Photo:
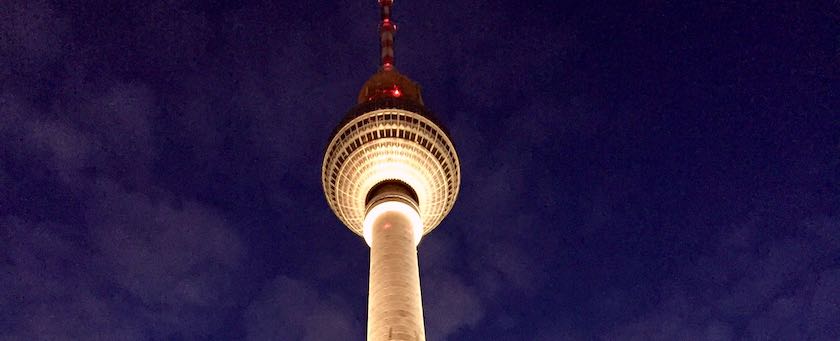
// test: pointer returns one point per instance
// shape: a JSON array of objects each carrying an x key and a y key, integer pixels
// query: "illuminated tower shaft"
[{"x": 395, "y": 310}]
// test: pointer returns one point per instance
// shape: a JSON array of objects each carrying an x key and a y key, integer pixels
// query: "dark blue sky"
[{"x": 632, "y": 170}]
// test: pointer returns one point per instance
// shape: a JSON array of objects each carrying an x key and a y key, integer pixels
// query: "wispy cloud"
[
  {"x": 144, "y": 267},
  {"x": 297, "y": 310},
  {"x": 752, "y": 287}
]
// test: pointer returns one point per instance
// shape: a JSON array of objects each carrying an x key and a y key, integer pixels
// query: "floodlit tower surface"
[{"x": 391, "y": 175}]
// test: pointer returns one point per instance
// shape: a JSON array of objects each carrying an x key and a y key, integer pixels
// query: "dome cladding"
[
  {"x": 390, "y": 139},
  {"x": 389, "y": 83}
]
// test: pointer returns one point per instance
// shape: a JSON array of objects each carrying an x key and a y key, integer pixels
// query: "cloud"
[
  {"x": 50, "y": 290},
  {"x": 290, "y": 309},
  {"x": 118, "y": 122},
  {"x": 752, "y": 287},
  {"x": 519, "y": 270},
  {"x": 12, "y": 117},
  {"x": 450, "y": 301},
  {"x": 176, "y": 257},
  {"x": 824, "y": 312},
  {"x": 449, "y": 304},
  {"x": 142, "y": 267},
  {"x": 129, "y": 259},
  {"x": 110, "y": 132},
  {"x": 140, "y": 263},
  {"x": 69, "y": 150}
]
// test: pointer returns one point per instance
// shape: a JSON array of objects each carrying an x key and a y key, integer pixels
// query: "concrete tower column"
[{"x": 395, "y": 310}]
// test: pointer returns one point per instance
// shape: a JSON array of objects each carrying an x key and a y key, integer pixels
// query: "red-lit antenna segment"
[{"x": 387, "y": 28}]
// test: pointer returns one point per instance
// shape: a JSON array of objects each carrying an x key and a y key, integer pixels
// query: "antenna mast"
[{"x": 387, "y": 28}]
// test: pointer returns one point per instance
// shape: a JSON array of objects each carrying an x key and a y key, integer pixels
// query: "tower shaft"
[{"x": 395, "y": 310}]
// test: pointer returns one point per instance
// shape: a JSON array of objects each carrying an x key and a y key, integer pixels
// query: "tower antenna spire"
[{"x": 387, "y": 28}]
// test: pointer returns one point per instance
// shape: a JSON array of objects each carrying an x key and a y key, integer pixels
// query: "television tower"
[{"x": 391, "y": 175}]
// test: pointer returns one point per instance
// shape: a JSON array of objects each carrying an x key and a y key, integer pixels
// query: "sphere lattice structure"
[{"x": 387, "y": 138}]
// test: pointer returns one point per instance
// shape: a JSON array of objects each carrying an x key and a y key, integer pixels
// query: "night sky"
[{"x": 632, "y": 170}]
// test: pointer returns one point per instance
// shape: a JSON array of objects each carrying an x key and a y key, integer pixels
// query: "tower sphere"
[{"x": 390, "y": 136}]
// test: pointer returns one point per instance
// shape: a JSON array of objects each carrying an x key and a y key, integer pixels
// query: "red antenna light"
[{"x": 386, "y": 34}]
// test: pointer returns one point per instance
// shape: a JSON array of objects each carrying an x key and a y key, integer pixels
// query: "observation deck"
[{"x": 390, "y": 136}]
